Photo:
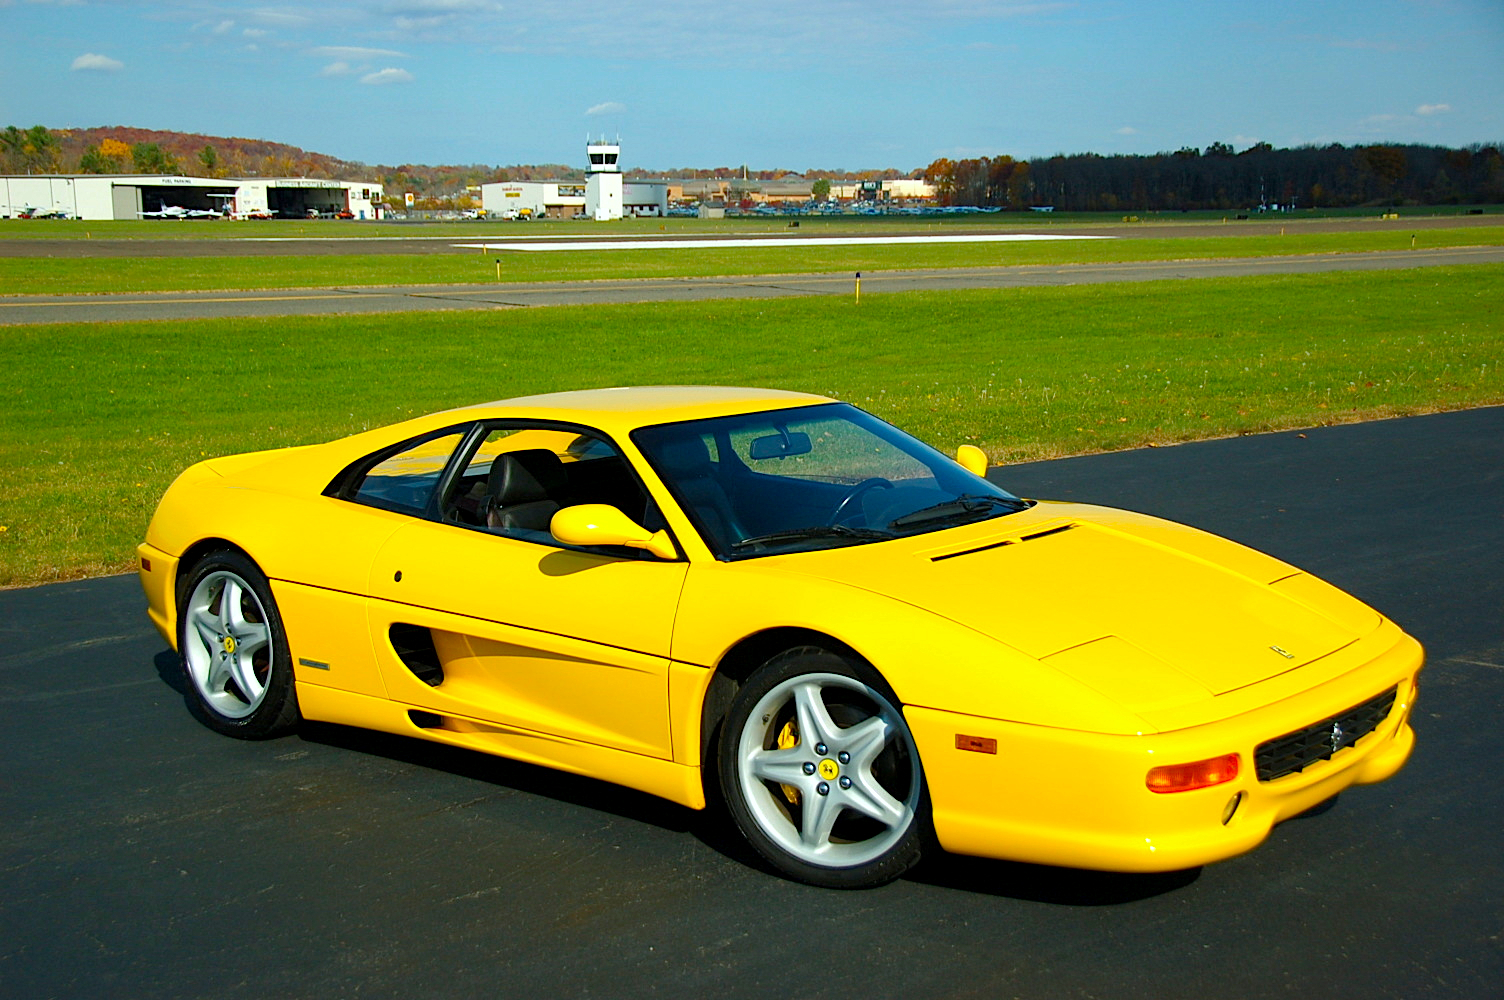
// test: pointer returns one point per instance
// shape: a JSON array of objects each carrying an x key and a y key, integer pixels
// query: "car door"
[{"x": 477, "y": 613}]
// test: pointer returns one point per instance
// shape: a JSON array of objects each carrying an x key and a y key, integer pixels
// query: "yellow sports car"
[{"x": 779, "y": 601}]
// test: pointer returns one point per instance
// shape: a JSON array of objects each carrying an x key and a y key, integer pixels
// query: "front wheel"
[
  {"x": 820, "y": 773},
  {"x": 234, "y": 649}
]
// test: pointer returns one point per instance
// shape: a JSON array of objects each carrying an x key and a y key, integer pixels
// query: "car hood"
[{"x": 1152, "y": 614}]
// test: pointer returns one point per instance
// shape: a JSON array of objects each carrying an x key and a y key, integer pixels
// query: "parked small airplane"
[
  {"x": 178, "y": 212},
  {"x": 33, "y": 212}
]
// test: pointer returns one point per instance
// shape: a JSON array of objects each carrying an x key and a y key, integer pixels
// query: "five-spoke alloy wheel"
[
  {"x": 234, "y": 649},
  {"x": 820, "y": 773}
]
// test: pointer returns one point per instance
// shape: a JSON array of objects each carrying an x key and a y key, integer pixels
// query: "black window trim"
[
  {"x": 472, "y": 434},
  {"x": 344, "y": 485}
]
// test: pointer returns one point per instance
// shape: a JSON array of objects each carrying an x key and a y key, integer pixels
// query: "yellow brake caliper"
[{"x": 788, "y": 738}]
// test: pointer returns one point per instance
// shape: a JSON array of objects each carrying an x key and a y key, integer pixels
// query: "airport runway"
[
  {"x": 202, "y": 239},
  {"x": 143, "y": 856},
  {"x": 365, "y": 300}
]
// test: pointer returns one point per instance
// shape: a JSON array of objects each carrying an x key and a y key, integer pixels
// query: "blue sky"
[{"x": 777, "y": 83}]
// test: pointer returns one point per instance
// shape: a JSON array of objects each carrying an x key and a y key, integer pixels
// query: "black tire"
[
  {"x": 233, "y": 649},
  {"x": 820, "y": 773}
]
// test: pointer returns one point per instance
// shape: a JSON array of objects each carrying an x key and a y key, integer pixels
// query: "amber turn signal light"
[{"x": 1186, "y": 777}]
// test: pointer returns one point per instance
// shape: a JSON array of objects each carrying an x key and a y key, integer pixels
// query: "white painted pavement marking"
[{"x": 771, "y": 241}]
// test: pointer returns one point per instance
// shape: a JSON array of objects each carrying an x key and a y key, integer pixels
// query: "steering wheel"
[{"x": 866, "y": 485}]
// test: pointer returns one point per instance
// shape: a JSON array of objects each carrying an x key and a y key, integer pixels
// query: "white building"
[
  {"x": 135, "y": 196},
  {"x": 891, "y": 190},
  {"x": 605, "y": 194},
  {"x": 533, "y": 199}
]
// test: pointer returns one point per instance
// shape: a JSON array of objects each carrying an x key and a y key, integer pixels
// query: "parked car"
[{"x": 864, "y": 648}]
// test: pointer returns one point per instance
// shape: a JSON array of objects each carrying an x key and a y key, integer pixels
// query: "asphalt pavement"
[
  {"x": 143, "y": 856},
  {"x": 204, "y": 238},
  {"x": 22, "y": 309}
]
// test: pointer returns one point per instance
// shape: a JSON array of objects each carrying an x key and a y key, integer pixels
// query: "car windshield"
[{"x": 812, "y": 478}]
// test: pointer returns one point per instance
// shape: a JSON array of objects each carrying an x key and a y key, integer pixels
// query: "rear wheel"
[
  {"x": 820, "y": 773},
  {"x": 234, "y": 649}
]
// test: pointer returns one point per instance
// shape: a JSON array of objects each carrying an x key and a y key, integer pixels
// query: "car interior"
[{"x": 517, "y": 492}]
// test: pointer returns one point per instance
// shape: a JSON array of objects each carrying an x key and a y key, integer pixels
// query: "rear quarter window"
[{"x": 406, "y": 480}]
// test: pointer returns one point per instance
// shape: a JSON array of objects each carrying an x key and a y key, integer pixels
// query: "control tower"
[{"x": 603, "y": 184}]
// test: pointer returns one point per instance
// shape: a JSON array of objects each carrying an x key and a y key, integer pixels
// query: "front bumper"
[
  {"x": 1060, "y": 797},
  {"x": 159, "y": 574}
]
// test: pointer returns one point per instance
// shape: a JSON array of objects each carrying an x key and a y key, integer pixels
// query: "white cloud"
[
  {"x": 418, "y": 15},
  {"x": 280, "y": 17},
  {"x": 1366, "y": 44},
  {"x": 388, "y": 75},
  {"x": 337, "y": 69},
  {"x": 1433, "y": 109},
  {"x": 91, "y": 61},
  {"x": 354, "y": 52},
  {"x": 608, "y": 108},
  {"x": 1127, "y": 130},
  {"x": 704, "y": 34}
]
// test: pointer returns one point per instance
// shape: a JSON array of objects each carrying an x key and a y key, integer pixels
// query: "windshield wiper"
[
  {"x": 818, "y": 531},
  {"x": 962, "y": 507}
]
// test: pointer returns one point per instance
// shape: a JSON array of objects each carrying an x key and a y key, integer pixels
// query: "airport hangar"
[{"x": 128, "y": 196}]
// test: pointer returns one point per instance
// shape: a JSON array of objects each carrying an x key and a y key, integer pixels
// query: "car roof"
[
  {"x": 617, "y": 412},
  {"x": 620, "y": 410}
]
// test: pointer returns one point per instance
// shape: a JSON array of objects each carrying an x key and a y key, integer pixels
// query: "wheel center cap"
[
  {"x": 229, "y": 644},
  {"x": 829, "y": 769}
]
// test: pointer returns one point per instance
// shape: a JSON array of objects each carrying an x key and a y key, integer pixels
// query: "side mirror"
[
  {"x": 972, "y": 459},
  {"x": 602, "y": 524}
]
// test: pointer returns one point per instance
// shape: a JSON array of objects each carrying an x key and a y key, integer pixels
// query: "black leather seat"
[
  {"x": 686, "y": 465},
  {"x": 524, "y": 491}
]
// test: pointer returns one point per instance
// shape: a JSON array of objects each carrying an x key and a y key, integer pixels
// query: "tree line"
[{"x": 1220, "y": 178}]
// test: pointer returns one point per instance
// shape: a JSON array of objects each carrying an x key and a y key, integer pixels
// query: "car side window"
[
  {"x": 405, "y": 480},
  {"x": 517, "y": 477}
]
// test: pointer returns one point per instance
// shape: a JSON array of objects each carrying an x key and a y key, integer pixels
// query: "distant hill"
[
  {"x": 240, "y": 157},
  {"x": 236, "y": 156}
]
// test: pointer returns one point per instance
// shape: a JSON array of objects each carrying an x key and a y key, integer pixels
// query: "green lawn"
[
  {"x": 87, "y": 275},
  {"x": 96, "y": 419}
]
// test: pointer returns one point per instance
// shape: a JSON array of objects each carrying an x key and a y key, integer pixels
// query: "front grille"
[{"x": 1297, "y": 751}]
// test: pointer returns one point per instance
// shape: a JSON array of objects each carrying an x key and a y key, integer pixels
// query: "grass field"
[
  {"x": 88, "y": 275},
  {"x": 96, "y": 419}
]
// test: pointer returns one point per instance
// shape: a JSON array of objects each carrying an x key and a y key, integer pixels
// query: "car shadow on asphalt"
[
  {"x": 1034, "y": 883},
  {"x": 711, "y": 826},
  {"x": 170, "y": 670},
  {"x": 517, "y": 776},
  {"x": 1045, "y": 883}
]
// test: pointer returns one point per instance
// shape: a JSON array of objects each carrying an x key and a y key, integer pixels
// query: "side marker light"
[
  {"x": 1188, "y": 777},
  {"x": 976, "y": 744}
]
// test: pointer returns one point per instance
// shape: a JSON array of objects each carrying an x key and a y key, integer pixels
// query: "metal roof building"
[{"x": 135, "y": 196}]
